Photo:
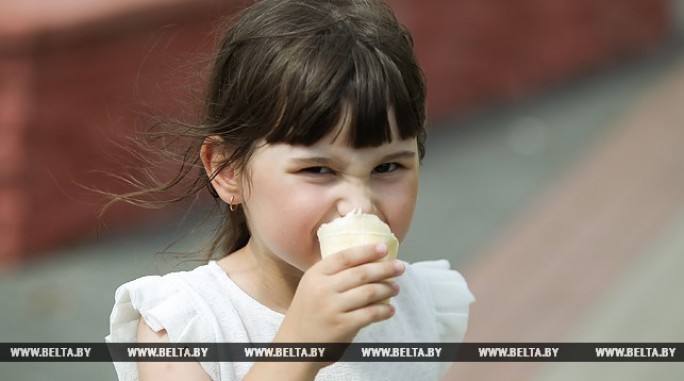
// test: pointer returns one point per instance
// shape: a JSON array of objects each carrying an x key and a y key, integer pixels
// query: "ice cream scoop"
[{"x": 356, "y": 229}]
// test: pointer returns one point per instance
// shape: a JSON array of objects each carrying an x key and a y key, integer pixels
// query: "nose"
[{"x": 356, "y": 196}]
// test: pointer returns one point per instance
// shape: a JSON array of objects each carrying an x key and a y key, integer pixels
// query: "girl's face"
[{"x": 292, "y": 190}]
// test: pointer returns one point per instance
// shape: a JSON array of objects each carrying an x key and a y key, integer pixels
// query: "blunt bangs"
[{"x": 345, "y": 79}]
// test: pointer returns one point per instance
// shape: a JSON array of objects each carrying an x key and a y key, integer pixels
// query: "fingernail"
[{"x": 399, "y": 266}]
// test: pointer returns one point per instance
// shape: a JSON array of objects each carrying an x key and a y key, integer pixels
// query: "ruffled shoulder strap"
[
  {"x": 450, "y": 296},
  {"x": 164, "y": 303}
]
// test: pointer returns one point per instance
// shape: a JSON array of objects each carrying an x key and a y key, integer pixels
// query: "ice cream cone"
[{"x": 356, "y": 229}]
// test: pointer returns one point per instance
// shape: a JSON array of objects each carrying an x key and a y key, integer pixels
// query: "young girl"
[{"x": 315, "y": 108}]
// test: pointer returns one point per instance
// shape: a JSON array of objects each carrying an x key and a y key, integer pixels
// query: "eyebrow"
[
  {"x": 399, "y": 155},
  {"x": 326, "y": 161},
  {"x": 312, "y": 161}
]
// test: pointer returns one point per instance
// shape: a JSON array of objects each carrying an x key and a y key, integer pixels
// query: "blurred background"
[{"x": 554, "y": 175}]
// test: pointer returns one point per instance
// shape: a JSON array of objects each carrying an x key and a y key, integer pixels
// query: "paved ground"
[
  {"x": 565, "y": 212},
  {"x": 597, "y": 255}
]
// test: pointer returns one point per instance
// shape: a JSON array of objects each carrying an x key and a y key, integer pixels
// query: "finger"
[
  {"x": 366, "y": 273},
  {"x": 352, "y": 257},
  {"x": 368, "y": 294},
  {"x": 370, "y": 314}
]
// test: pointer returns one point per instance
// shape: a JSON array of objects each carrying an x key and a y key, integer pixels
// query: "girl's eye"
[
  {"x": 386, "y": 168},
  {"x": 318, "y": 170}
]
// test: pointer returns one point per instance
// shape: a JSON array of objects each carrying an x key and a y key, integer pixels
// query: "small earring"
[{"x": 231, "y": 206}]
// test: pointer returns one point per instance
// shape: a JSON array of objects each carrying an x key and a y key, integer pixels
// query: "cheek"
[
  {"x": 284, "y": 217},
  {"x": 399, "y": 206}
]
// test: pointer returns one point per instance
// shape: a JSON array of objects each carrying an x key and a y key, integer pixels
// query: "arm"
[
  {"x": 166, "y": 371},
  {"x": 192, "y": 371},
  {"x": 335, "y": 298}
]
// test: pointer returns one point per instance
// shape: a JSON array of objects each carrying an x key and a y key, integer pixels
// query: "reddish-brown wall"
[
  {"x": 65, "y": 92},
  {"x": 70, "y": 96},
  {"x": 474, "y": 51}
]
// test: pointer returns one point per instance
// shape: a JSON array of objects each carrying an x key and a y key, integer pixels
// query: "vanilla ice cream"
[{"x": 356, "y": 229}]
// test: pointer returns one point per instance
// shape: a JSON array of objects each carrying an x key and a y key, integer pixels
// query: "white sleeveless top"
[{"x": 205, "y": 305}]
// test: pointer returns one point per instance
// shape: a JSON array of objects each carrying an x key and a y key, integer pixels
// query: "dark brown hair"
[{"x": 286, "y": 72}]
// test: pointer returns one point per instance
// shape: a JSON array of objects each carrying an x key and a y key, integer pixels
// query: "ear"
[{"x": 226, "y": 180}]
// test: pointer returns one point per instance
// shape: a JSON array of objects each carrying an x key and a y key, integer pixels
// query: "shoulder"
[
  {"x": 444, "y": 292},
  {"x": 167, "y": 371}
]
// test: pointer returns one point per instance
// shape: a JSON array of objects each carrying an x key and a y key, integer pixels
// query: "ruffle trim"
[
  {"x": 451, "y": 298},
  {"x": 163, "y": 306}
]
